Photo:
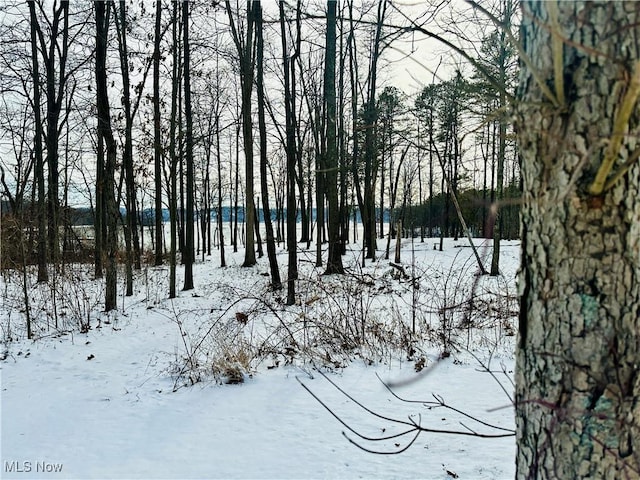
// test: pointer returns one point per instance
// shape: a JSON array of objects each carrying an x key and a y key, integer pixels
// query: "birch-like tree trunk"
[{"x": 578, "y": 377}]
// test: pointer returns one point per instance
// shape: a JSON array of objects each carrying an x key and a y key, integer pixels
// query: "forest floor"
[{"x": 144, "y": 393}]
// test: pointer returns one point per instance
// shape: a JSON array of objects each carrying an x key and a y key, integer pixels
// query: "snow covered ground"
[{"x": 107, "y": 403}]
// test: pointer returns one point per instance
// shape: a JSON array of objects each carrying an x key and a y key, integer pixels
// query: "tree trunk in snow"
[
  {"x": 276, "y": 282},
  {"x": 245, "y": 48},
  {"x": 334, "y": 259},
  {"x": 102, "y": 13},
  {"x": 578, "y": 381},
  {"x": 173, "y": 154},
  {"x": 188, "y": 256},
  {"x": 43, "y": 275},
  {"x": 507, "y": 12},
  {"x": 157, "y": 137},
  {"x": 290, "y": 148}
]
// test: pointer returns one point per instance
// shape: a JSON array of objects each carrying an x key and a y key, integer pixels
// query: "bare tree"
[
  {"x": 173, "y": 154},
  {"x": 502, "y": 134},
  {"x": 55, "y": 56},
  {"x": 245, "y": 50},
  {"x": 334, "y": 260},
  {"x": 102, "y": 12},
  {"x": 132, "y": 240},
  {"x": 292, "y": 272},
  {"x": 38, "y": 172},
  {"x": 157, "y": 141},
  {"x": 367, "y": 206},
  {"x": 276, "y": 283},
  {"x": 189, "y": 251}
]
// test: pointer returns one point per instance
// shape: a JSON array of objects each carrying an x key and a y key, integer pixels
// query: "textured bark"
[{"x": 578, "y": 388}]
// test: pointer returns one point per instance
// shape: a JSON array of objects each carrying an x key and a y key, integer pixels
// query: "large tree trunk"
[{"x": 577, "y": 381}]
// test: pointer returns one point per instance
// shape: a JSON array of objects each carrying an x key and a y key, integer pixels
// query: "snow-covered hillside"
[{"x": 117, "y": 401}]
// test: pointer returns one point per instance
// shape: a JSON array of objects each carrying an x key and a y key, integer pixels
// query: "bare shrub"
[
  {"x": 214, "y": 347},
  {"x": 67, "y": 303},
  {"x": 375, "y": 314},
  {"x": 78, "y": 297}
]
